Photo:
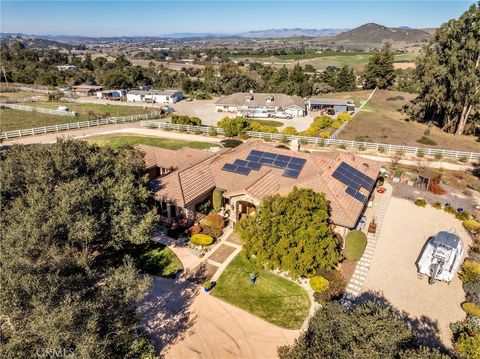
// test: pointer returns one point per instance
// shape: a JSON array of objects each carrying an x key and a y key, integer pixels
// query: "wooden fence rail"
[{"x": 379, "y": 147}]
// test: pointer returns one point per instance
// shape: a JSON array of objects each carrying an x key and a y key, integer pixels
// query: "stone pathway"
[{"x": 355, "y": 285}]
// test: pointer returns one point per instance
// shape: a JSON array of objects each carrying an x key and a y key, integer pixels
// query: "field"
[
  {"x": 20, "y": 94},
  {"x": 121, "y": 141},
  {"x": 321, "y": 61},
  {"x": 15, "y": 119},
  {"x": 155, "y": 259},
  {"x": 272, "y": 298},
  {"x": 382, "y": 121},
  {"x": 356, "y": 96}
]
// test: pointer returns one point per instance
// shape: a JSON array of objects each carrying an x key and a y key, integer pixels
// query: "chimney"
[{"x": 295, "y": 145}]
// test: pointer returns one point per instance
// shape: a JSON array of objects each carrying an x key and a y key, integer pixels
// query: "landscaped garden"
[
  {"x": 132, "y": 140},
  {"x": 272, "y": 298},
  {"x": 155, "y": 259}
]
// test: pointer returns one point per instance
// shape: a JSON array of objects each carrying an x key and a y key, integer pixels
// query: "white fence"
[
  {"x": 8, "y": 87},
  {"x": 76, "y": 125},
  {"x": 22, "y": 99},
  {"x": 38, "y": 109},
  {"x": 379, "y": 147}
]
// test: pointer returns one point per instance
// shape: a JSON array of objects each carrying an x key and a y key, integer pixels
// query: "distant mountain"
[
  {"x": 374, "y": 33},
  {"x": 32, "y": 41},
  {"x": 281, "y": 33}
]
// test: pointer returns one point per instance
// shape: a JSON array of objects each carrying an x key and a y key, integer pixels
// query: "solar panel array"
[
  {"x": 256, "y": 159},
  {"x": 354, "y": 179}
]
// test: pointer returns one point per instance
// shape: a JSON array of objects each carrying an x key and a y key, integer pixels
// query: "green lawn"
[
  {"x": 121, "y": 141},
  {"x": 268, "y": 123},
  {"x": 16, "y": 119},
  {"x": 156, "y": 259},
  {"x": 272, "y": 298}
]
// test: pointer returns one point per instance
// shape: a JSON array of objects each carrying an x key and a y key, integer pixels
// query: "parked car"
[{"x": 282, "y": 115}]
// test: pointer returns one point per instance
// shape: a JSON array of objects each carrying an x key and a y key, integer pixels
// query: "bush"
[
  {"x": 466, "y": 338},
  {"x": 318, "y": 283},
  {"x": 421, "y": 153},
  {"x": 319, "y": 123},
  {"x": 450, "y": 209},
  {"x": 463, "y": 159},
  {"x": 231, "y": 143},
  {"x": 395, "y": 98},
  {"x": 471, "y": 308},
  {"x": 470, "y": 271},
  {"x": 213, "y": 225},
  {"x": 472, "y": 291},
  {"x": 289, "y": 130},
  {"x": 463, "y": 215},
  {"x": 203, "y": 96},
  {"x": 283, "y": 147},
  {"x": 420, "y": 202},
  {"x": 437, "y": 205},
  {"x": 234, "y": 126},
  {"x": 438, "y": 156},
  {"x": 335, "y": 289},
  {"x": 196, "y": 229},
  {"x": 426, "y": 141},
  {"x": 471, "y": 225},
  {"x": 186, "y": 120},
  {"x": 344, "y": 116},
  {"x": 337, "y": 124},
  {"x": 201, "y": 239},
  {"x": 212, "y": 132},
  {"x": 355, "y": 244}
]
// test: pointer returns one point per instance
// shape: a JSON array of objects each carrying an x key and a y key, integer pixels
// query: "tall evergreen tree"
[
  {"x": 380, "y": 71},
  {"x": 449, "y": 75},
  {"x": 346, "y": 80},
  {"x": 67, "y": 211}
]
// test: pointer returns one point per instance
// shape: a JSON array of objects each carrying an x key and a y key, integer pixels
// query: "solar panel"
[
  {"x": 242, "y": 170},
  {"x": 266, "y": 161},
  {"x": 291, "y": 173},
  {"x": 256, "y": 153},
  {"x": 294, "y": 166},
  {"x": 229, "y": 167},
  {"x": 298, "y": 161},
  {"x": 351, "y": 191},
  {"x": 284, "y": 158},
  {"x": 240, "y": 163},
  {"x": 269, "y": 155},
  {"x": 253, "y": 158},
  {"x": 254, "y": 166},
  {"x": 360, "y": 197},
  {"x": 280, "y": 164}
]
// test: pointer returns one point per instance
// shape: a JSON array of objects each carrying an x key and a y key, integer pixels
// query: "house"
[
  {"x": 185, "y": 179},
  {"x": 87, "y": 90},
  {"x": 67, "y": 68},
  {"x": 330, "y": 105},
  {"x": 111, "y": 94},
  {"x": 248, "y": 102},
  {"x": 155, "y": 96}
]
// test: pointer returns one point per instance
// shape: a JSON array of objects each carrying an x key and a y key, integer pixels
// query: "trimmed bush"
[
  {"x": 344, "y": 116},
  {"x": 426, "y": 141},
  {"x": 463, "y": 215},
  {"x": 355, "y": 244},
  {"x": 213, "y": 225},
  {"x": 335, "y": 289},
  {"x": 186, "y": 120},
  {"x": 450, "y": 209},
  {"x": 290, "y": 130},
  {"x": 217, "y": 199},
  {"x": 318, "y": 283},
  {"x": 200, "y": 239},
  {"x": 471, "y": 308},
  {"x": 324, "y": 134},
  {"x": 420, "y": 202},
  {"x": 472, "y": 291},
  {"x": 471, "y": 225},
  {"x": 195, "y": 229},
  {"x": 230, "y": 143},
  {"x": 437, "y": 205},
  {"x": 470, "y": 271}
]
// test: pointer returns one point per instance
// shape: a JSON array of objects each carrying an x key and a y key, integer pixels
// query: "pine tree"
[{"x": 380, "y": 71}]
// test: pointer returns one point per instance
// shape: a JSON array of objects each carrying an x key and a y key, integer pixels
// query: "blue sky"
[{"x": 114, "y": 18}]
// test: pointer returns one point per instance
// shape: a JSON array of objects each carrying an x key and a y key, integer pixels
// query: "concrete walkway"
[{"x": 354, "y": 287}]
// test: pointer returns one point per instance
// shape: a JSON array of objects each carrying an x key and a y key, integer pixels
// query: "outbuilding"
[
  {"x": 155, "y": 96},
  {"x": 330, "y": 105}
]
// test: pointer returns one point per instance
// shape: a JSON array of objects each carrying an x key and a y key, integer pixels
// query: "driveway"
[
  {"x": 185, "y": 322},
  {"x": 430, "y": 308}
]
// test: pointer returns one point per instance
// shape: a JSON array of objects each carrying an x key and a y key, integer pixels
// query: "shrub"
[
  {"x": 318, "y": 283},
  {"x": 319, "y": 123},
  {"x": 466, "y": 338},
  {"x": 472, "y": 291},
  {"x": 217, "y": 199},
  {"x": 257, "y": 127},
  {"x": 337, "y": 124},
  {"x": 290, "y": 130},
  {"x": 395, "y": 98},
  {"x": 230, "y": 143},
  {"x": 186, "y": 120},
  {"x": 420, "y": 202},
  {"x": 450, "y": 209},
  {"x": 463, "y": 159},
  {"x": 355, "y": 244},
  {"x": 421, "y": 153},
  {"x": 203, "y": 96},
  {"x": 201, "y": 239},
  {"x": 426, "y": 141},
  {"x": 335, "y": 289},
  {"x": 463, "y": 215},
  {"x": 470, "y": 271},
  {"x": 438, "y": 156},
  {"x": 207, "y": 284},
  {"x": 362, "y": 147},
  {"x": 194, "y": 229},
  {"x": 437, "y": 205},
  {"x": 342, "y": 146},
  {"x": 471, "y": 225},
  {"x": 234, "y": 126},
  {"x": 363, "y": 139},
  {"x": 381, "y": 149},
  {"x": 213, "y": 225},
  {"x": 212, "y": 132},
  {"x": 324, "y": 134},
  {"x": 344, "y": 116},
  {"x": 283, "y": 147},
  {"x": 471, "y": 308}
]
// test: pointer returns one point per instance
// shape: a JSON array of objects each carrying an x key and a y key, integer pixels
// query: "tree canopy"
[
  {"x": 380, "y": 71},
  {"x": 291, "y": 233},
  {"x": 369, "y": 330},
  {"x": 68, "y": 209},
  {"x": 448, "y": 72}
]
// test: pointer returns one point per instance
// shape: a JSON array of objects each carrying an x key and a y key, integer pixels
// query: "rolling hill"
[{"x": 374, "y": 33}]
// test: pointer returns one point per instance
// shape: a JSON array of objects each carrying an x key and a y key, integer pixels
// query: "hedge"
[
  {"x": 318, "y": 283},
  {"x": 471, "y": 308},
  {"x": 355, "y": 244},
  {"x": 201, "y": 239},
  {"x": 470, "y": 271}
]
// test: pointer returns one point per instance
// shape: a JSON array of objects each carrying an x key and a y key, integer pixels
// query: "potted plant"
[{"x": 207, "y": 286}]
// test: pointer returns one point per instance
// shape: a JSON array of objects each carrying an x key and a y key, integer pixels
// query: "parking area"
[{"x": 430, "y": 308}]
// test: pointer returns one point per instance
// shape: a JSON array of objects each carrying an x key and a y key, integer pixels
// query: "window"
[
  {"x": 162, "y": 209},
  {"x": 173, "y": 211}
]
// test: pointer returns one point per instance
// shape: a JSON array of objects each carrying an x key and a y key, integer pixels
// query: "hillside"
[
  {"x": 285, "y": 33},
  {"x": 374, "y": 33}
]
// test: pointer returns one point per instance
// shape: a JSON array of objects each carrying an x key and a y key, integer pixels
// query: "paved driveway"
[
  {"x": 187, "y": 323},
  {"x": 431, "y": 308}
]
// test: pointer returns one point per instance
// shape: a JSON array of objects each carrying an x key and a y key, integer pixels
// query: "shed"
[{"x": 429, "y": 180}]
